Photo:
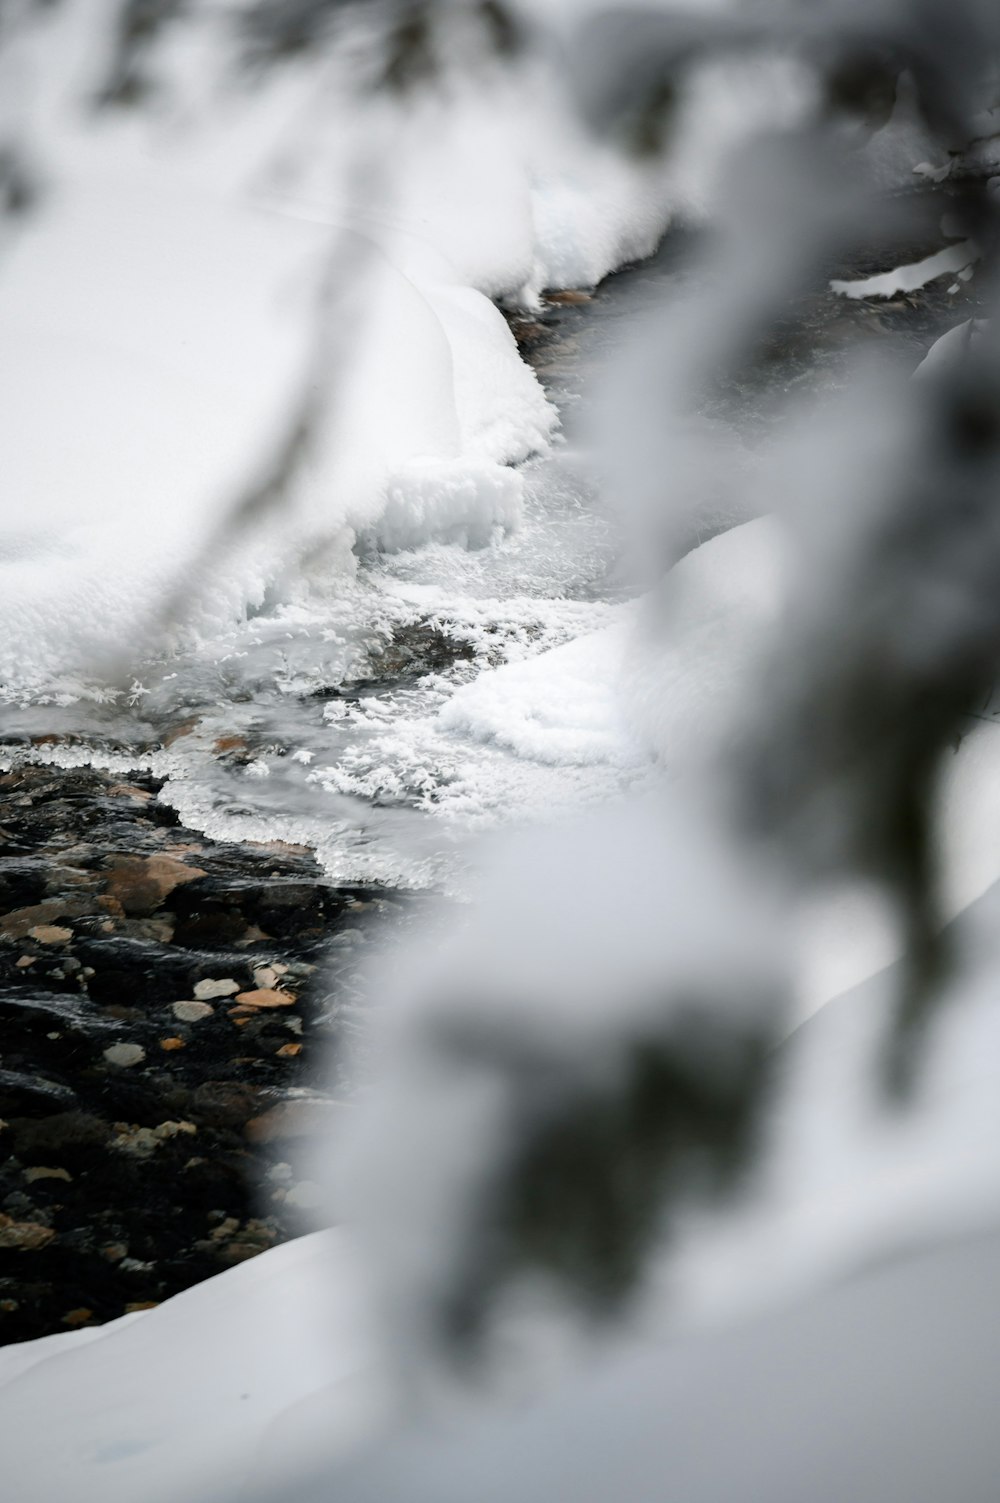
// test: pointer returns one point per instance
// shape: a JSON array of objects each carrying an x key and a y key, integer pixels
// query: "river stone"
[
  {"x": 226, "y": 987},
  {"x": 192, "y": 1012},
  {"x": 265, "y": 997},
  {"x": 140, "y": 883},
  {"x": 24, "y": 1236},
  {"x": 125, "y": 1055},
  {"x": 42, "y": 1171},
  {"x": 22, "y": 921},
  {"x": 50, "y": 934}
]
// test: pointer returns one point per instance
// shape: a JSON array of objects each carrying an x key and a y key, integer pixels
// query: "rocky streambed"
[{"x": 166, "y": 1027}]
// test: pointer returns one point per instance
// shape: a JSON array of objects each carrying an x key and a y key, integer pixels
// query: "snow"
[
  {"x": 949, "y": 347},
  {"x": 214, "y": 1390},
  {"x": 558, "y": 708},
  {"x": 873, "y": 1389},
  {"x": 165, "y": 308},
  {"x": 910, "y": 278}
]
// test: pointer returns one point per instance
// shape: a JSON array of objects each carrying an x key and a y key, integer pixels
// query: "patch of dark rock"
[
  {"x": 34, "y": 1093},
  {"x": 413, "y": 651}
]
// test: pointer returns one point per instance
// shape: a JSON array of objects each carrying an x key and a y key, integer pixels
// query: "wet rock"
[
  {"x": 140, "y": 884},
  {"x": 123, "y": 1221},
  {"x": 43, "y": 1171},
  {"x": 73, "y": 1137},
  {"x": 125, "y": 1055},
  {"x": 20, "y": 923},
  {"x": 215, "y": 987},
  {"x": 82, "y": 1316},
  {"x": 143, "y": 1141},
  {"x": 225, "y": 1103},
  {"x": 236, "y": 1242},
  {"x": 24, "y": 1236},
  {"x": 129, "y": 790},
  {"x": 27, "y": 1094},
  {"x": 192, "y": 1012},
  {"x": 265, "y": 998},
  {"x": 23, "y": 884},
  {"x": 50, "y": 934}
]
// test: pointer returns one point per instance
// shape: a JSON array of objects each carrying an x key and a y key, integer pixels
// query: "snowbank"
[
  {"x": 191, "y": 276},
  {"x": 669, "y": 683},
  {"x": 237, "y": 1381}
]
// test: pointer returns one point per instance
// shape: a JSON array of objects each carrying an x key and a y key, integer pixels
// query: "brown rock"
[
  {"x": 78, "y": 1317},
  {"x": 50, "y": 934},
  {"x": 24, "y": 1236},
  {"x": 288, "y": 1051},
  {"x": 176, "y": 732},
  {"x": 20, "y": 923},
  {"x": 140, "y": 1304},
  {"x": 282, "y": 847},
  {"x": 171, "y": 1044},
  {"x": 128, "y": 790},
  {"x": 265, "y": 997},
  {"x": 140, "y": 883}
]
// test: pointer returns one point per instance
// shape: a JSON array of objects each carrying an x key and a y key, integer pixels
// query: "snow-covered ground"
[{"x": 235, "y": 1383}]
